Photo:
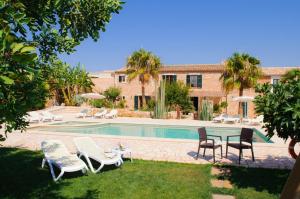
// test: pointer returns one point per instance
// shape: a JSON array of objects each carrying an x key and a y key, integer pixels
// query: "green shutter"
[
  {"x": 199, "y": 81},
  {"x": 188, "y": 80},
  {"x": 175, "y": 78}
]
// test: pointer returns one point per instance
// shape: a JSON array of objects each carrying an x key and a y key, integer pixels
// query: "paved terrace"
[{"x": 268, "y": 155}]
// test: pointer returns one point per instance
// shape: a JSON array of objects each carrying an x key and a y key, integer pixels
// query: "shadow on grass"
[
  {"x": 260, "y": 179},
  {"x": 21, "y": 176}
]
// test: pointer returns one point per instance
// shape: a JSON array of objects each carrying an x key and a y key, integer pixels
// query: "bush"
[
  {"x": 99, "y": 103},
  {"x": 206, "y": 112},
  {"x": 121, "y": 104}
]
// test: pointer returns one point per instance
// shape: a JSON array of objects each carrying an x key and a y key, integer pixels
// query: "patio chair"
[
  {"x": 112, "y": 114},
  {"x": 56, "y": 154},
  {"x": 33, "y": 117},
  {"x": 204, "y": 144},
  {"x": 220, "y": 118},
  {"x": 232, "y": 119},
  {"x": 101, "y": 113},
  {"x": 83, "y": 113},
  {"x": 245, "y": 142},
  {"x": 52, "y": 116},
  {"x": 87, "y": 148}
]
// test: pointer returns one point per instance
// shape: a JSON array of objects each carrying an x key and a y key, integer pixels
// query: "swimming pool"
[{"x": 145, "y": 130}]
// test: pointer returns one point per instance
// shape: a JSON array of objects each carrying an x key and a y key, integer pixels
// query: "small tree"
[
  {"x": 112, "y": 94},
  {"x": 280, "y": 105},
  {"x": 177, "y": 97}
]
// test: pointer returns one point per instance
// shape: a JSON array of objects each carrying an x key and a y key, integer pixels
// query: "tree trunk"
[
  {"x": 241, "y": 90},
  {"x": 226, "y": 102},
  {"x": 178, "y": 112},
  {"x": 143, "y": 102},
  {"x": 291, "y": 188}
]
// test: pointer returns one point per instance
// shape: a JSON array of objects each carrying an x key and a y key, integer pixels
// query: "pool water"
[{"x": 147, "y": 130}]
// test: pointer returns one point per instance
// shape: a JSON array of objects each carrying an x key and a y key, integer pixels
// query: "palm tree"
[
  {"x": 144, "y": 65},
  {"x": 241, "y": 72}
]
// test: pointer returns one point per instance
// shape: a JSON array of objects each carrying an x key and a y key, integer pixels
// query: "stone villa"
[{"x": 203, "y": 79}]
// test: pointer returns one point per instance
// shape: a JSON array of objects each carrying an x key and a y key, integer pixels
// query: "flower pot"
[{"x": 292, "y": 144}]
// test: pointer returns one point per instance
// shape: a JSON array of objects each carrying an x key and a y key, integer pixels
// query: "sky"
[{"x": 196, "y": 32}]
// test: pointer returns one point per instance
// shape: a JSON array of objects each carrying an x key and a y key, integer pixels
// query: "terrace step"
[{"x": 221, "y": 184}]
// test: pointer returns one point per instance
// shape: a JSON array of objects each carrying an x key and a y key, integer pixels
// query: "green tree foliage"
[
  {"x": 280, "y": 105},
  {"x": 241, "y": 72},
  {"x": 177, "y": 97},
  {"x": 291, "y": 75},
  {"x": 47, "y": 27},
  {"x": 144, "y": 65},
  {"x": 112, "y": 94},
  {"x": 66, "y": 82}
]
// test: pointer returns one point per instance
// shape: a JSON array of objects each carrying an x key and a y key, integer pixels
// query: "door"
[
  {"x": 136, "y": 103},
  {"x": 195, "y": 101},
  {"x": 245, "y": 109}
]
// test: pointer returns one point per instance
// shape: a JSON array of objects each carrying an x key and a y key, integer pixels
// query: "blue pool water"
[{"x": 142, "y": 130}]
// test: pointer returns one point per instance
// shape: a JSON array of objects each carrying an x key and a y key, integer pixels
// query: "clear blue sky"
[{"x": 197, "y": 31}]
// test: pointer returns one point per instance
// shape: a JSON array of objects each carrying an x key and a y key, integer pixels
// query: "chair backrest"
[
  {"x": 246, "y": 135},
  {"x": 202, "y": 134},
  {"x": 86, "y": 145},
  {"x": 54, "y": 148}
]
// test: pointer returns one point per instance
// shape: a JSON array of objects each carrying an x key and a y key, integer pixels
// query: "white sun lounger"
[
  {"x": 220, "y": 118},
  {"x": 232, "y": 119},
  {"x": 101, "y": 114},
  {"x": 256, "y": 121},
  {"x": 112, "y": 114},
  {"x": 57, "y": 154},
  {"x": 32, "y": 117},
  {"x": 90, "y": 150},
  {"x": 83, "y": 113},
  {"x": 52, "y": 116}
]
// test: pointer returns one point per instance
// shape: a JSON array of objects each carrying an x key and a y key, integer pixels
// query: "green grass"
[{"x": 22, "y": 177}]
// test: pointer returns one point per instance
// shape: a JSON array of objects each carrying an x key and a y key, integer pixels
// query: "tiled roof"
[{"x": 267, "y": 71}]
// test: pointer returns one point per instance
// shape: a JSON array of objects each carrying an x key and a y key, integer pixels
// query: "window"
[
  {"x": 275, "y": 81},
  {"x": 121, "y": 78},
  {"x": 169, "y": 78},
  {"x": 195, "y": 81}
]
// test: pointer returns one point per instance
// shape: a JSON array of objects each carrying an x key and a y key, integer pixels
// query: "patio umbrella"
[
  {"x": 243, "y": 99},
  {"x": 92, "y": 96}
]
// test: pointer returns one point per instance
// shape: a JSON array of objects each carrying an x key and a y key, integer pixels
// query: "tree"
[
  {"x": 241, "y": 72},
  {"x": 177, "y": 97},
  {"x": 144, "y": 65},
  {"x": 66, "y": 82},
  {"x": 112, "y": 94},
  {"x": 31, "y": 33},
  {"x": 280, "y": 105},
  {"x": 291, "y": 75}
]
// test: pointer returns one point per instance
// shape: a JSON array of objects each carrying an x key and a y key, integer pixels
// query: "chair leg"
[
  {"x": 221, "y": 152},
  {"x": 198, "y": 151},
  {"x": 100, "y": 167},
  {"x": 214, "y": 154},
  {"x": 226, "y": 150},
  {"x": 204, "y": 152},
  {"x": 240, "y": 156},
  {"x": 43, "y": 162},
  {"x": 252, "y": 154}
]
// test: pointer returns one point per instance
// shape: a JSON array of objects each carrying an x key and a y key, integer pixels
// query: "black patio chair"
[
  {"x": 204, "y": 144},
  {"x": 245, "y": 142}
]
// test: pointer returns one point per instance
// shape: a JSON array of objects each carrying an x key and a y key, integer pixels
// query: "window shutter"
[
  {"x": 199, "y": 81},
  {"x": 175, "y": 78},
  {"x": 188, "y": 80},
  {"x": 120, "y": 78},
  {"x": 164, "y": 77}
]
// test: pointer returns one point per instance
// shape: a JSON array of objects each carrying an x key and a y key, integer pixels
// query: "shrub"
[{"x": 206, "y": 111}]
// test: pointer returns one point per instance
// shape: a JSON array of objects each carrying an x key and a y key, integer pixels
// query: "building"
[{"x": 203, "y": 79}]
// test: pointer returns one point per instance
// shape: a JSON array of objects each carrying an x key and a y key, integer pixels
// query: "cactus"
[
  {"x": 160, "y": 108},
  {"x": 206, "y": 111}
]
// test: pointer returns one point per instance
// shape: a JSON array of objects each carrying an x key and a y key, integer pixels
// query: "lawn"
[{"x": 22, "y": 177}]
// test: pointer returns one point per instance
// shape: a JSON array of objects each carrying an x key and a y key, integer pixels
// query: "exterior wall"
[{"x": 211, "y": 86}]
